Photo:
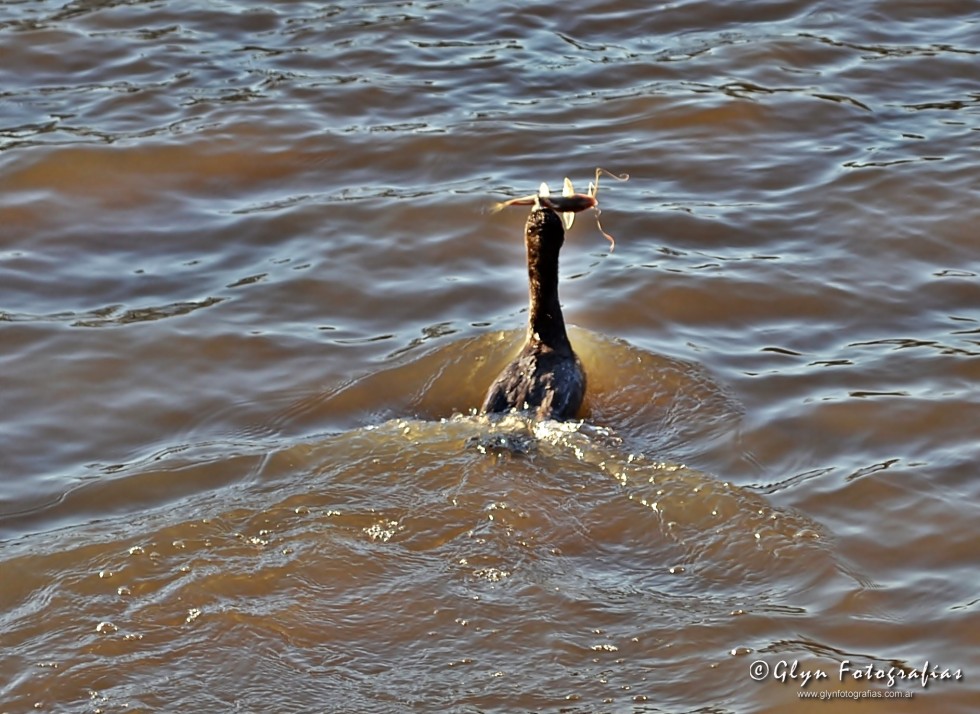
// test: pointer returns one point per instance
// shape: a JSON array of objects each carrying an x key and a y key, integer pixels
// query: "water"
[{"x": 250, "y": 293}]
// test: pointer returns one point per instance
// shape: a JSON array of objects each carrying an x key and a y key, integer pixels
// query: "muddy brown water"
[{"x": 250, "y": 293}]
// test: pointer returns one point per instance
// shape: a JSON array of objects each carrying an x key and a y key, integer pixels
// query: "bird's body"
[{"x": 546, "y": 379}]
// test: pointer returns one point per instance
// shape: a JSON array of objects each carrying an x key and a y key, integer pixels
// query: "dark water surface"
[{"x": 250, "y": 292}]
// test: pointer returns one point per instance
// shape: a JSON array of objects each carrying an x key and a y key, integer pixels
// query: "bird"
[{"x": 546, "y": 379}]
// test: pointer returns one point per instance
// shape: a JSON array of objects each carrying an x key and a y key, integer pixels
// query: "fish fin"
[
  {"x": 568, "y": 217},
  {"x": 543, "y": 190}
]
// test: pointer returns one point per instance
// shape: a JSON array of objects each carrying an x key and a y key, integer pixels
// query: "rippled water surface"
[{"x": 251, "y": 293}]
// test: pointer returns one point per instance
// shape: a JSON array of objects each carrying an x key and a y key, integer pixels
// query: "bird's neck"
[{"x": 545, "y": 321}]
